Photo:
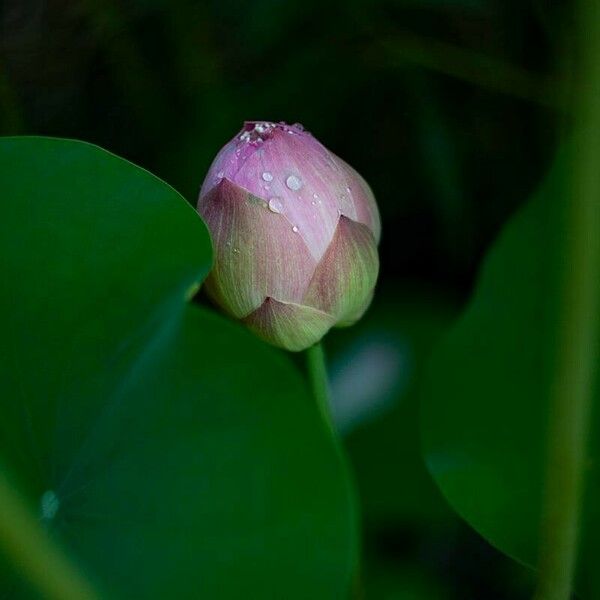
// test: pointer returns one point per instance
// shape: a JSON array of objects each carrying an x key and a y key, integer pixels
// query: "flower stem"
[
  {"x": 573, "y": 389},
  {"x": 317, "y": 373}
]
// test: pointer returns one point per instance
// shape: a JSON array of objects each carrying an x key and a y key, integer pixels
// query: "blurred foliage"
[
  {"x": 415, "y": 545},
  {"x": 505, "y": 338},
  {"x": 488, "y": 401},
  {"x": 449, "y": 108},
  {"x": 378, "y": 413}
]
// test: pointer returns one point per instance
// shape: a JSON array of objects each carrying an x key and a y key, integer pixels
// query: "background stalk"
[{"x": 577, "y": 337}]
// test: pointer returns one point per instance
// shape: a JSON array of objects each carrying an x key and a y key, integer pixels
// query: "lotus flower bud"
[{"x": 295, "y": 232}]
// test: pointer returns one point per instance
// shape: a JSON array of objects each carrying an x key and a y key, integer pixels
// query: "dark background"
[{"x": 449, "y": 108}]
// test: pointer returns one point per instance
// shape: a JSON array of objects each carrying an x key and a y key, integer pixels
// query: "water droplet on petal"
[
  {"x": 315, "y": 196},
  {"x": 275, "y": 205},
  {"x": 348, "y": 189},
  {"x": 295, "y": 229},
  {"x": 267, "y": 176},
  {"x": 293, "y": 182},
  {"x": 255, "y": 133}
]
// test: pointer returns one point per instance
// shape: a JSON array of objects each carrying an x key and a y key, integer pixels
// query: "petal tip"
[{"x": 289, "y": 326}]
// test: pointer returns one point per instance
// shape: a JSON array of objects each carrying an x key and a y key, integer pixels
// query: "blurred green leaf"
[
  {"x": 376, "y": 372},
  {"x": 486, "y": 404},
  {"x": 172, "y": 453},
  {"x": 472, "y": 66}
]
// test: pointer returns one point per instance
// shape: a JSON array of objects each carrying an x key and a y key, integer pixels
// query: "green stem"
[
  {"x": 34, "y": 553},
  {"x": 573, "y": 388},
  {"x": 319, "y": 382},
  {"x": 317, "y": 373}
]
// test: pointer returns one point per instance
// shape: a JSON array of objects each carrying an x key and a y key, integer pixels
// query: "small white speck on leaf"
[{"x": 49, "y": 505}]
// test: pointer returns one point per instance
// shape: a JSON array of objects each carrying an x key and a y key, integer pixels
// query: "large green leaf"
[
  {"x": 486, "y": 403},
  {"x": 171, "y": 453}
]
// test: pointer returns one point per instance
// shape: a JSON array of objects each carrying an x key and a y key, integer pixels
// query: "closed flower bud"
[{"x": 295, "y": 231}]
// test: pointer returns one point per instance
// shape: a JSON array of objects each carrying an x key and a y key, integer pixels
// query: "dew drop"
[
  {"x": 267, "y": 176},
  {"x": 275, "y": 205},
  {"x": 49, "y": 505},
  {"x": 293, "y": 182},
  {"x": 255, "y": 133},
  {"x": 295, "y": 229},
  {"x": 315, "y": 196}
]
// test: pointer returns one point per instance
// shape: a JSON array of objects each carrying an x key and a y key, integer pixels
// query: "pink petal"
[
  {"x": 365, "y": 207},
  {"x": 290, "y": 326},
  {"x": 257, "y": 252},
  {"x": 311, "y": 184},
  {"x": 299, "y": 167},
  {"x": 345, "y": 277}
]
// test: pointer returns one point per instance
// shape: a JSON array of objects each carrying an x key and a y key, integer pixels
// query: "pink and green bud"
[{"x": 295, "y": 231}]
